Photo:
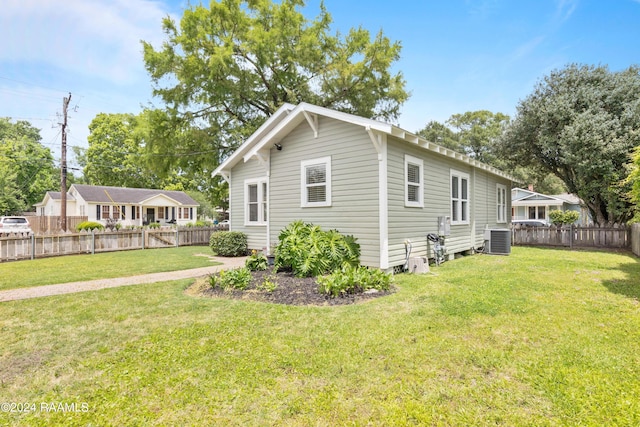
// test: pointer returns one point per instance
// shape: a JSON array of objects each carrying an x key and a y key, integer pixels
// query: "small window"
[
  {"x": 256, "y": 201},
  {"x": 413, "y": 176},
  {"x": 160, "y": 213},
  {"x": 316, "y": 182},
  {"x": 105, "y": 212},
  {"x": 459, "y": 198},
  {"x": 501, "y": 203}
]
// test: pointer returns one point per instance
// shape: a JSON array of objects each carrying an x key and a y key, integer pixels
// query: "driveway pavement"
[{"x": 92, "y": 285}]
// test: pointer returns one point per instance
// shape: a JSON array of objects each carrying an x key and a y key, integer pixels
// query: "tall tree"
[
  {"x": 633, "y": 180},
  {"x": 116, "y": 154},
  {"x": 478, "y": 132},
  {"x": 26, "y": 167},
  {"x": 226, "y": 68},
  {"x": 440, "y": 134},
  {"x": 581, "y": 123}
]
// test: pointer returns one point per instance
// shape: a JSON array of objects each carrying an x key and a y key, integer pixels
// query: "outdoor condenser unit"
[{"x": 497, "y": 241}]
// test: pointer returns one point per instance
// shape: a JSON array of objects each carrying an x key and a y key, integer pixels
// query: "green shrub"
[
  {"x": 237, "y": 278},
  {"x": 89, "y": 225},
  {"x": 154, "y": 225},
  {"x": 309, "y": 251},
  {"x": 199, "y": 223},
  {"x": 558, "y": 217},
  {"x": 228, "y": 243},
  {"x": 351, "y": 279},
  {"x": 256, "y": 262},
  {"x": 269, "y": 284}
]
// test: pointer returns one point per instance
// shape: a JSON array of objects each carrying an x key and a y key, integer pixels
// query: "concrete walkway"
[{"x": 92, "y": 285}]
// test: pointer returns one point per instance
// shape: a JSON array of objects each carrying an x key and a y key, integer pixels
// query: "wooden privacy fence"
[
  {"x": 40, "y": 246},
  {"x": 635, "y": 239},
  {"x": 51, "y": 224},
  {"x": 572, "y": 236}
]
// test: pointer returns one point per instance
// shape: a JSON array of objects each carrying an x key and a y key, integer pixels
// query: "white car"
[{"x": 14, "y": 225}]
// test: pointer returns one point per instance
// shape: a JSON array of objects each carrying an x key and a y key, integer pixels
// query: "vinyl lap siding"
[
  {"x": 354, "y": 180},
  {"x": 413, "y": 223},
  {"x": 256, "y": 234}
]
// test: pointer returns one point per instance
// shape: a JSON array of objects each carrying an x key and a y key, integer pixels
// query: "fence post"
[
  {"x": 93, "y": 241},
  {"x": 571, "y": 236},
  {"x": 177, "y": 237},
  {"x": 143, "y": 238},
  {"x": 33, "y": 246}
]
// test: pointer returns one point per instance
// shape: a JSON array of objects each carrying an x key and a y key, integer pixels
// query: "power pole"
[{"x": 63, "y": 166}]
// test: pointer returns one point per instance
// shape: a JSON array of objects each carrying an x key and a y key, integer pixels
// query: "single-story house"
[
  {"x": 528, "y": 204},
  {"x": 383, "y": 185},
  {"x": 128, "y": 206}
]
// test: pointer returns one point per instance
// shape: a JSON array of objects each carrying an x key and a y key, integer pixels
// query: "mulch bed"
[{"x": 291, "y": 290}]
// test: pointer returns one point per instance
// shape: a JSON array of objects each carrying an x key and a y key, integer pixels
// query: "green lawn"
[
  {"x": 48, "y": 271},
  {"x": 541, "y": 337}
]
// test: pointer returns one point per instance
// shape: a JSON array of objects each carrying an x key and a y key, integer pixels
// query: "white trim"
[
  {"x": 288, "y": 117},
  {"x": 460, "y": 210},
  {"x": 326, "y": 161},
  {"x": 501, "y": 208},
  {"x": 420, "y": 164},
  {"x": 383, "y": 202},
  {"x": 262, "y": 200}
]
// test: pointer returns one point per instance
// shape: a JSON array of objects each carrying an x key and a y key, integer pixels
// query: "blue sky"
[{"x": 457, "y": 56}]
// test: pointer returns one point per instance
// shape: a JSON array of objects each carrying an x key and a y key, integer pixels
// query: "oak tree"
[
  {"x": 224, "y": 69},
  {"x": 27, "y": 169},
  {"x": 581, "y": 123}
]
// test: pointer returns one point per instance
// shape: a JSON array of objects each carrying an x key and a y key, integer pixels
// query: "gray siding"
[
  {"x": 414, "y": 223},
  {"x": 256, "y": 234},
  {"x": 354, "y": 179}
]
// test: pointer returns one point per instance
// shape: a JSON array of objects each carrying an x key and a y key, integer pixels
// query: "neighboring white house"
[
  {"x": 527, "y": 204},
  {"x": 370, "y": 179},
  {"x": 129, "y": 206}
]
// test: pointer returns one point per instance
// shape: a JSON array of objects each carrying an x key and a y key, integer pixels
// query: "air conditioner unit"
[
  {"x": 418, "y": 265},
  {"x": 497, "y": 241}
]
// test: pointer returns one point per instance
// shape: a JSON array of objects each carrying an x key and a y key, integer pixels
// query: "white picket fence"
[{"x": 40, "y": 246}]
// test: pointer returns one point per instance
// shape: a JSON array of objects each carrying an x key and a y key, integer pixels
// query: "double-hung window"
[
  {"x": 501, "y": 203},
  {"x": 459, "y": 198},
  {"x": 255, "y": 196},
  {"x": 413, "y": 190},
  {"x": 315, "y": 178}
]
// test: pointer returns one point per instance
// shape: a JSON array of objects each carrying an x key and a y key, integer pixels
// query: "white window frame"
[
  {"x": 410, "y": 160},
  {"x": 501, "y": 203},
  {"x": 462, "y": 206},
  {"x": 326, "y": 161},
  {"x": 262, "y": 188}
]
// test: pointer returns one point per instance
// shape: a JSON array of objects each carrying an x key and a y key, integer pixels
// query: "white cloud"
[
  {"x": 564, "y": 10},
  {"x": 99, "y": 38}
]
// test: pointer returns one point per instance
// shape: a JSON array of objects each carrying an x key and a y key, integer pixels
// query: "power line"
[{"x": 29, "y": 83}]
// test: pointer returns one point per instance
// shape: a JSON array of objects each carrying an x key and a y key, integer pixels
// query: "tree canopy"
[
  {"x": 115, "y": 155},
  {"x": 477, "y": 133},
  {"x": 581, "y": 123},
  {"x": 441, "y": 134},
  {"x": 27, "y": 169},
  {"x": 225, "y": 69}
]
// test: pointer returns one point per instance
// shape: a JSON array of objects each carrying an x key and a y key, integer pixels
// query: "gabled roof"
[
  {"x": 283, "y": 121},
  {"x": 105, "y": 194},
  {"x": 54, "y": 195},
  {"x": 528, "y": 197}
]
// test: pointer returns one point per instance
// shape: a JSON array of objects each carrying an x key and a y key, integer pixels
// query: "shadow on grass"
[{"x": 628, "y": 286}]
